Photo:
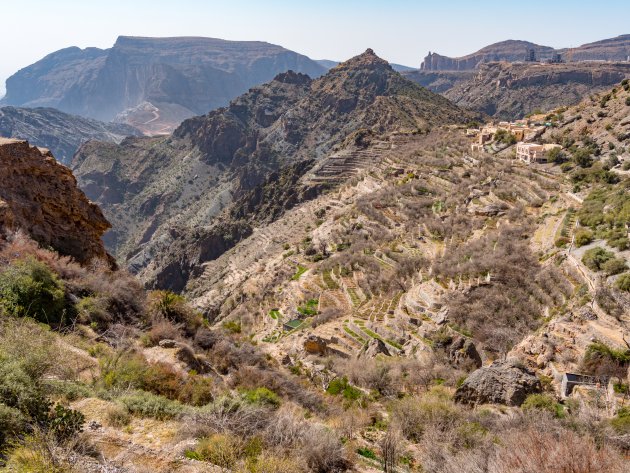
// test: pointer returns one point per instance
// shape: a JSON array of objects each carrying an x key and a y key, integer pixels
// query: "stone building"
[{"x": 533, "y": 152}]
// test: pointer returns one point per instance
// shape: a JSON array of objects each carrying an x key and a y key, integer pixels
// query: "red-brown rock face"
[{"x": 41, "y": 197}]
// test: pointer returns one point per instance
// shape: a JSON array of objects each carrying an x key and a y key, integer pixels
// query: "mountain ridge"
[
  {"x": 610, "y": 49},
  {"x": 289, "y": 120},
  {"x": 179, "y": 76},
  {"x": 60, "y": 132}
]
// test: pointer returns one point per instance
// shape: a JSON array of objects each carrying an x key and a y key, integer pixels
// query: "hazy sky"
[{"x": 401, "y": 31}]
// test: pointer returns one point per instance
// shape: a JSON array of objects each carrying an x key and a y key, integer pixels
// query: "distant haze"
[{"x": 401, "y": 31}]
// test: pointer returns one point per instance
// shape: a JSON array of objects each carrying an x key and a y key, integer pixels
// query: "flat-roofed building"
[{"x": 533, "y": 152}]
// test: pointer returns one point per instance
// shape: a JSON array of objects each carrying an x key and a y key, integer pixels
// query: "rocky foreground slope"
[
  {"x": 60, "y": 132},
  {"x": 163, "y": 195},
  {"x": 40, "y": 197},
  {"x": 151, "y": 83}
]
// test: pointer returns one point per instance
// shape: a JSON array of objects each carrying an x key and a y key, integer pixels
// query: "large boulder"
[
  {"x": 315, "y": 345},
  {"x": 463, "y": 352},
  {"x": 373, "y": 348},
  {"x": 502, "y": 382}
]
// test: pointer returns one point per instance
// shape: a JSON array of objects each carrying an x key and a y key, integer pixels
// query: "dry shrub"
[
  {"x": 161, "y": 330},
  {"x": 433, "y": 411},
  {"x": 226, "y": 414},
  {"x": 174, "y": 308},
  {"x": 269, "y": 463},
  {"x": 544, "y": 451},
  {"x": 251, "y": 377},
  {"x": 223, "y": 450},
  {"x": 323, "y": 451},
  {"x": 326, "y": 315},
  {"x": 287, "y": 428},
  {"x": 352, "y": 421}
]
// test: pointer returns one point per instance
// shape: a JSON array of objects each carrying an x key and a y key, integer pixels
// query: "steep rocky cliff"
[
  {"x": 509, "y": 91},
  {"x": 612, "y": 49},
  {"x": 160, "y": 191},
  {"x": 40, "y": 196},
  {"x": 152, "y": 83},
  {"x": 510, "y": 51},
  {"x": 59, "y": 132}
]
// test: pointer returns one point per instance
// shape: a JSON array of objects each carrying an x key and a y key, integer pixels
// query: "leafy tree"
[
  {"x": 556, "y": 155},
  {"x": 596, "y": 257},
  {"x": 583, "y": 157}
]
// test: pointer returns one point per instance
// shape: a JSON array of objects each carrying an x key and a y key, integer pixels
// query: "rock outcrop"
[
  {"x": 152, "y": 83},
  {"x": 57, "y": 131},
  {"x": 41, "y": 197},
  {"x": 374, "y": 347},
  {"x": 502, "y": 382},
  {"x": 314, "y": 345}
]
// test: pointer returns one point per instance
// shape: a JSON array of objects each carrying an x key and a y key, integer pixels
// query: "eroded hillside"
[
  {"x": 370, "y": 298},
  {"x": 173, "y": 201}
]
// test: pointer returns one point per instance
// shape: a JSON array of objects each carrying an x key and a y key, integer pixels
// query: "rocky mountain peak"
[
  {"x": 292, "y": 77},
  {"x": 367, "y": 59}
]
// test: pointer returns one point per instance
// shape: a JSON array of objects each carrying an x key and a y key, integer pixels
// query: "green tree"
[
  {"x": 583, "y": 157},
  {"x": 596, "y": 257}
]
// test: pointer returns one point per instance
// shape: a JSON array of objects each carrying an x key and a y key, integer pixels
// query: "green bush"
[
  {"x": 223, "y": 450},
  {"x": 623, "y": 282},
  {"x": 614, "y": 266},
  {"x": 65, "y": 423},
  {"x": 226, "y": 449},
  {"x": 262, "y": 397},
  {"x": 505, "y": 137},
  {"x": 602, "y": 360},
  {"x": 123, "y": 370},
  {"x": 29, "y": 288},
  {"x": 19, "y": 390},
  {"x": 197, "y": 391},
  {"x": 583, "y": 157},
  {"x": 342, "y": 386},
  {"x": 146, "y": 404},
  {"x": 232, "y": 326},
  {"x": 583, "y": 237},
  {"x": 555, "y": 155},
  {"x": 12, "y": 423},
  {"x": 309, "y": 308},
  {"x": 595, "y": 258},
  {"x": 621, "y": 422},
  {"x": 367, "y": 453},
  {"x": 543, "y": 402}
]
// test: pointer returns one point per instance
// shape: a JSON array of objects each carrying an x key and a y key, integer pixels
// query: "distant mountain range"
[
  {"x": 613, "y": 49},
  {"x": 60, "y": 132},
  {"x": 151, "y": 83}
]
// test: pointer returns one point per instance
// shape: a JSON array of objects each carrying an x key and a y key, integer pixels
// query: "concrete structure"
[
  {"x": 571, "y": 380},
  {"x": 533, "y": 152}
]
